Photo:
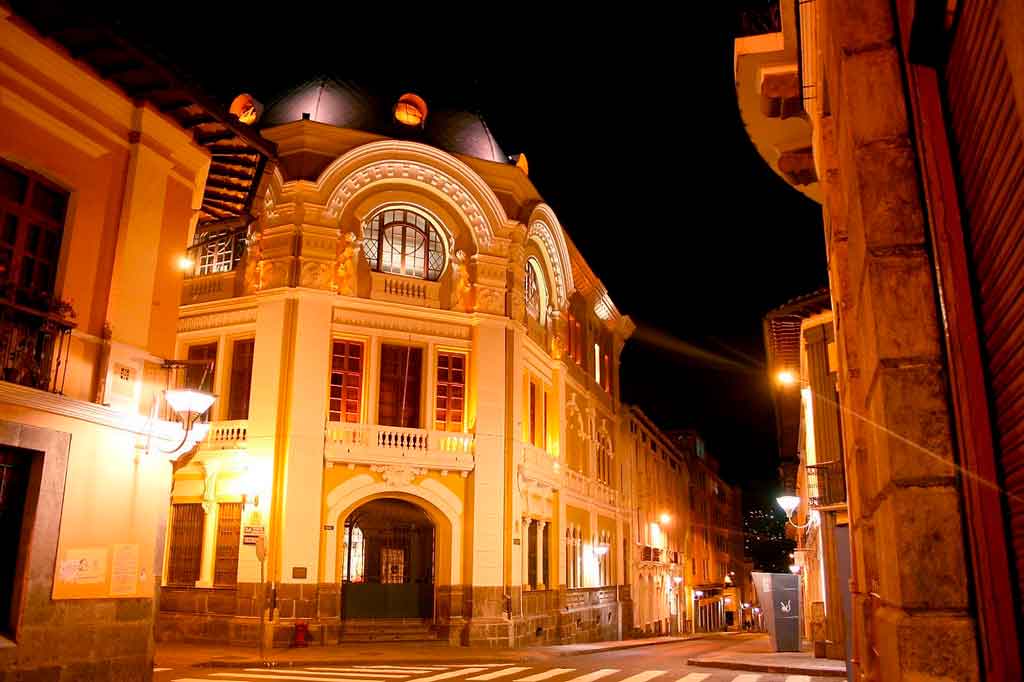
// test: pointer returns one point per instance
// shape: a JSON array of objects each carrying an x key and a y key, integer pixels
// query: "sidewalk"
[
  {"x": 757, "y": 656},
  {"x": 179, "y": 655}
]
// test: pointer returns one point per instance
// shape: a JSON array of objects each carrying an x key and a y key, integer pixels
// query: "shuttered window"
[
  {"x": 241, "y": 379},
  {"x": 186, "y": 549},
  {"x": 229, "y": 526},
  {"x": 451, "y": 392},
  {"x": 346, "y": 381},
  {"x": 988, "y": 144}
]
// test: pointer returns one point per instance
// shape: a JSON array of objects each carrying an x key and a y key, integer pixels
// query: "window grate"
[{"x": 186, "y": 544}]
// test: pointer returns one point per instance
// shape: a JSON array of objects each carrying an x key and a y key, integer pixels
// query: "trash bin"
[{"x": 779, "y": 595}]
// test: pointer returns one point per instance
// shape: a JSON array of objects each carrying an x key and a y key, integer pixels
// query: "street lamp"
[
  {"x": 789, "y": 503},
  {"x": 785, "y": 377},
  {"x": 190, "y": 405},
  {"x": 794, "y": 568},
  {"x": 665, "y": 518},
  {"x": 677, "y": 579}
]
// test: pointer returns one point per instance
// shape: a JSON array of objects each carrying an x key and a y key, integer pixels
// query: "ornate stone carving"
[
  {"x": 316, "y": 275},
  {"x": 462, "y": 288},
  {"x": 214, "y": 320},
  {"x": 346, "y": 272},
  {"x": 398, "y": 476},
  {"x": 418, "y": 172},
  {"x": 395, "y": 323},
  {"x": 490, "y": 300}
]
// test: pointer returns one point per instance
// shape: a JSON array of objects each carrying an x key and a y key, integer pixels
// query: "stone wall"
[
  {"x": 67, "y": 640},
  {"x": 911, "y": 615}
]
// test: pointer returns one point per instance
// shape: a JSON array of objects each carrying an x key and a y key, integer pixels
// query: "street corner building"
[
  {"x": 418, "y": 381},
  {"x": 98, "y": 191},
  {"x": 905, "y": 121}
]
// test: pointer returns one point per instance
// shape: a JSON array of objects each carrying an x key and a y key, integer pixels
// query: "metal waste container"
[{"x": 779, "y": 596}]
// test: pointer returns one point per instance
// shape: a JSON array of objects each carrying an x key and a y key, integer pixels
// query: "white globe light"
[
  {"x": 789, "y": 503},
  {"x": 184, "y": 401}
]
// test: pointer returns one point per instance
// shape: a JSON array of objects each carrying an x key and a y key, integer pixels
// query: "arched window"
[
  {"x": 535, "y": 291},
  {"x": 403, "y": 242}
]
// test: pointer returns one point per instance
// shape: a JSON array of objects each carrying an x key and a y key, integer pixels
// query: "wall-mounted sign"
[
  {"x": 298, "y": 572},
  {"x": 250, "y": 533},
  {"x": 328, "y": 527}
]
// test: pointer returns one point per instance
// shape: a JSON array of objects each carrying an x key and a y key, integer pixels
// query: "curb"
[
  {"x": 525, "y": 657},
  {"x": 760, "y": 668}
]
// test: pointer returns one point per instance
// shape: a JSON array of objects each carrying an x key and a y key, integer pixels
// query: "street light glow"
[
  {"x": 665, "y": 518},
  {"x": 789, "y": 503},
  {"x": 785, "y": 377}
]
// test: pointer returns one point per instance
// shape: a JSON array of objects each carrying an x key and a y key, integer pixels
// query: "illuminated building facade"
[
  {"x": 686, "y": 561},
  {"x": 418, "y": 381},
  {"x": 905, "y": 121},
  {"x": 801, "y": 334},
  {"x": 100, "y": 188}
]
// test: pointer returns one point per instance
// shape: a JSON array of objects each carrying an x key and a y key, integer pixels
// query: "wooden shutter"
[
  {"x": 449, "y": 407},
  {"x": 989, "y": 150},
  {"x": 346, "y": 381},
  {"x": 186, "y": 544},
  {"x": 241, "y": 378},
  {"x": 229, "y": 527}
]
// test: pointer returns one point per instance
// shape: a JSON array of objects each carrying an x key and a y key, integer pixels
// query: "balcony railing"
[
  {"x": 374, "y": 444},
  {"x": 227, "y": 435},
  {"x": 589, "y": 487},
  {"x": 34, "y": 346},
  {"x": 399, "y": 289},
  {"x": 826, "y": 483},
  {"x": 541, "y": 465}
]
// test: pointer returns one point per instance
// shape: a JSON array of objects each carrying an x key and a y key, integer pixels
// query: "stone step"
[{"x": 387, "y": 630}]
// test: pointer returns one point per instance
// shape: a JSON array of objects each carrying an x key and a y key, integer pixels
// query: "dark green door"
[{"x": 388, "y": 562}]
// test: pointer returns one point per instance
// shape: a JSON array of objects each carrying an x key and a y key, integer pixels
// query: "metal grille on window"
[
  {"x": 531, "y": 292},
  {"x": 229, "y": 520},
  {"x": 218, "y": 251},
  {"x": 186, "y": 544},
  {"x": 346, "y": 381},
  {"x": 403, "y": 242}
]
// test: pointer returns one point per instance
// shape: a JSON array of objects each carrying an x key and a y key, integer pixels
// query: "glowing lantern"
[
  {"x": 411, "y": 110},
  {"x": 246, "y": 109}
]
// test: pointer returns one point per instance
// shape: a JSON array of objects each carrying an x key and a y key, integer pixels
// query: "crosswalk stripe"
[
  {"x": 644, "y": 676},
  {"x": 333, "y": 674},
  {"x": 408, "y": 668},
  {"x": 477, "y": 665},
  {"x": 798, "y": 678},
  {"x": 746, "y": 677},
  {"x": 286, "y": 675},
  {"x": 362, "y": 672},
  {"x": 160, "y": 670},
  {"x": 554, "y": 672},
  {"x": 504, "y": 672},
  {"x": 451, "y": 673},
  {"x": 694, "y": 677},
  {"x": 596, "y": 675}
]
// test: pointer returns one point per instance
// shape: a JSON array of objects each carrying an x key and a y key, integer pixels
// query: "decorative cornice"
[
  {"x": 422, "y": 163},
  {"x": 547, "y": 231},
  {"x": 395, "y": 323},
  {"x": 218, "y": 319}
]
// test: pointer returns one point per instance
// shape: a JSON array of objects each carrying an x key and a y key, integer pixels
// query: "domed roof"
[
  {"x": 337, "y": 103},
  {"x": 325, "y": 100}
]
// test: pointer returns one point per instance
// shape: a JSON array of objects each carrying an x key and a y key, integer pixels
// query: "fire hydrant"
[{"x": 301, "y": 634}]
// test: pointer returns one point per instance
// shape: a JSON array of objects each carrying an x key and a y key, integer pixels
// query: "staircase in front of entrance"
[{"x": 387, "y": 630}]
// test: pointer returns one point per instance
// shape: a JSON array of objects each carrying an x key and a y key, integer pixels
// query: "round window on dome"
[{"x": 411, "y": 110}]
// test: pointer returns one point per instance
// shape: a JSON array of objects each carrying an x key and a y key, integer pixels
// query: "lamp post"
[
  {"x": 189, "y": 404},
  {"x": 789, "y": 503}
]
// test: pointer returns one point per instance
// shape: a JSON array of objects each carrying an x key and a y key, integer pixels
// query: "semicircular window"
[
  {"x": 403, "y": 242},
  {"x": 535, "y": 293}
]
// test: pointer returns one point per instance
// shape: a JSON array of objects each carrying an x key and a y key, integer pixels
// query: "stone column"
[
  {"x": 210, "y": 509},
  {"x": 524, "y": 544},
  {"x": 540, "y": 555}
]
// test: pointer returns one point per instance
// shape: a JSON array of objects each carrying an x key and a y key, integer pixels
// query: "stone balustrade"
[
  {"x": 398, "y": 289},
  {"x": 226, "y": 435},
  {"x": 376, "y": 444}
]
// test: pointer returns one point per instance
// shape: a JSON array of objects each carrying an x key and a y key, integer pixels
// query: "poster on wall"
[
  {"x": 124, "y": 571},
  {"x": 84, "y": 566}
]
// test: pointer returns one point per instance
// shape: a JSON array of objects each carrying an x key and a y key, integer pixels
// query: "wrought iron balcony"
[
  {"x": 826, "y": 483},
  {"x": 34, "y": 343},
  {"x": 758, "y": 18}
]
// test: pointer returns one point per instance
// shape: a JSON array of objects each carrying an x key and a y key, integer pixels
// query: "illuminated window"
[
  {"x": 353, "y": 555},
  {"x": 346, "y": 381},
  {"x": 403, "y": 242},
  {"x": 597, "y": 363},
  {"x": 449, "y": 408},
  {"x": 32, "y": 212},
  {"x": 411, "y": 110},
  {"x": 535, "y": 293},
  {"x": 217, "y": 251}
]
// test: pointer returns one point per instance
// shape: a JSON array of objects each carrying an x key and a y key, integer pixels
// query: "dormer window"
[{"x": 403, "y": 242}]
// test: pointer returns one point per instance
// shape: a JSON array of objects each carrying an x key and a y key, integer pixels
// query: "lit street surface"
[{"x": 662, "y": 663}]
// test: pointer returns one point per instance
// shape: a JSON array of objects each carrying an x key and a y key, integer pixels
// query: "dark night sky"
[{"x": 632, "y": 133}]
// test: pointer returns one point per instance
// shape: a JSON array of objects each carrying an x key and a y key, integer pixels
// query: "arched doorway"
[{"x": 388, "y": 561}]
